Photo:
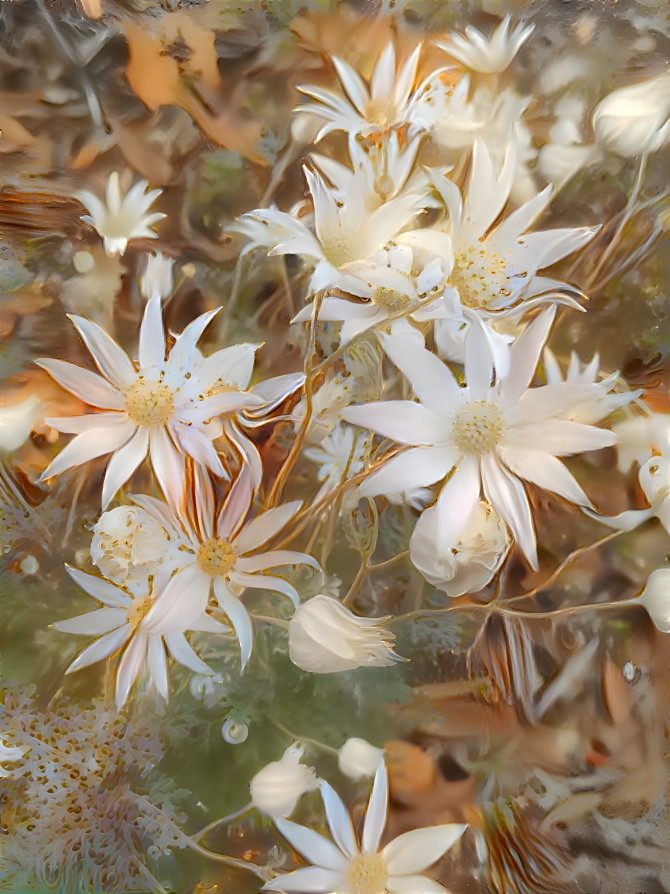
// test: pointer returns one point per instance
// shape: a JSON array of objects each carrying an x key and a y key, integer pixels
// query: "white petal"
[
  {"x": 417, "y": 850},
  {"x": 102, "y": 590},
  {"x": 375, "y": 816},
  {"x": 107, "y": 645},
  {"x": 401, "y": 420},
  {"x": 87, "y": 385},
  {"x": 478, "y": 361},
  {"x": 88, "y": 445},
  {"x": 311, "y": 879},
  {"x": 238, "y": 616},
  {"x": 414, "y": 884},
  {"x": 183, "y": 600},
  {"x": 339, "y": 821},
  {"x": 457, "y": 499},
  {"x": 419, "y": 467},
  {"x": 123, "y": 464},
  {"x": 184, "y": 354},
  {"x": 152, "y": 336},
  {"x": 76, "y": 425},
  {"x": 273, "y": 559},
  {"x": 312, "y": 846},
  {"x": 525, "y": 354},
  {"x": 431, "y": 380},
  {"x": 266, "y": 582},
  {"x": 109, "y": 356},
  {"x": 508, "y": 497},
  {"x": 93, "y": 623},
  {"x": 157, "y": 664},
  {"x": 545, "y": 471},
  {"x": 129, "y": 668},
  {"x": 181, "y": 651},
  {"x": 266, "y": 525},
  {"x": 168, "y": 465},
  {"x": 560, "y": 437}
]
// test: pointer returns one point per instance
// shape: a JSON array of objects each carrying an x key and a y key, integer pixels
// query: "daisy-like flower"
[
  {"x": 483, "y": 436},
  {"x": 345, "y": 866},
  {"x": 218, "y": 549},
  {"x": 168, "y": 406},
  {"x": 340, "y": 455},
  {"x": 487, "y": 55},
  {"x": 120, "y": 217},
  {"x": 345, "y": 234},
  {"x": 146, "y": 628},
  {"x": 369, "y": 109}
]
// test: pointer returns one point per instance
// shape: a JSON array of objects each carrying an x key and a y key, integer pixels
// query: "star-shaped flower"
[{"x": 487, "y": 55}]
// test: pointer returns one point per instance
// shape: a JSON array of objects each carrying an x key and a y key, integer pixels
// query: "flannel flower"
[
  {"x": 218, "y": 549},
  {"x": 146, "y": 628},
  {"x": 349, "y": 867},
  {"x": 168, "y": 407},
  {"x": 121, "y": 218},
  {"x": 487, "y": 55},
  {"x": 484, "y": 436}
]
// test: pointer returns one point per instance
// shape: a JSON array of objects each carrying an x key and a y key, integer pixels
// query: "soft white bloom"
[
  {"x": 276, "y": 788},
  {"x": 487, "y": 55},
  {"x": 157, "y": 278},
  {"x": 121, "y": 218},
  {"x": 146, "y": 629},
  {"x": 369, "y": 109},
  {"x": 358, "y": 758},
  {"x": 633, "y": 120},
  {"x": 218, "y": 549},
  {"x": 17, "y": 422},
  {"x": 129, "y": 546},
  {"x": 324, "y": 637},
  {"x": 345, "y": 234},
  {"x": 234, "y": 733},
  {"x": 656, "y": 598},
  {"x": 169, "y": 407},
  {"x": 640, "y": 436},
  {"x": 347, "y": 866},
  {"x": 466, "y": 563},
  {"x": 10, "y": 754},
  {"x": 486, "y": 435},
  {"x": 340, "y": 456}
]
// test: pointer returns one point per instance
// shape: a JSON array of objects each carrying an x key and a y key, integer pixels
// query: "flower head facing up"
[
  {"x": 169, "y": 406},
  {"x": 487, "y": 55},
  {"x": 349, "y": 867},
  {"x": 122, "y": 218}
]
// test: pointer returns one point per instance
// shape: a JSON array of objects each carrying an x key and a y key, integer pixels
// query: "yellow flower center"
[
  {"x": 340, "y": 250},
  {"x": 149, "y": 402},
  {"x": 216, "y": 557},
  {"x": 368, "y": 874},
  {"x": 480, "y": 275},
  {"x": 390, "y": 300},
  {"x": 138, "y": 610},
  {"x": 378, "y": 111},
  {"x": 477, "y": 428}
]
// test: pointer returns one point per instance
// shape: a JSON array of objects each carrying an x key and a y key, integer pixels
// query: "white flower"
[
  {"x": 469, "y": 561},
  {"x": 17, "y": 422},
  {"x": 654, "y": 478},
  {"x": 367, "y": 109},
  {"x": 656, "y": 598},
  {"x": 157, "y": 278},
  {"x": 357, "y": 758},
  {"x": 487, "y": 55},
  {"x": 276, "y": 788},
  {"x": 10, "y": 754},
  {"x": 487, "y": 436},
  {"x": 217, "y": 549},
  {"x": 640, "y": 436},
  {"x": 345, "y": 234},
  {"x": 144, "y": 628},
  {"x": 122, "y": 218},
  {"x": 324, "y": 637},
  {"x": 345, "y": 866},
  {"x": 341, "y": 455},
  {"x": 168, "y": 407},
  {"x": 128, "y": 546},
  {"x": 633, "y": 120}
]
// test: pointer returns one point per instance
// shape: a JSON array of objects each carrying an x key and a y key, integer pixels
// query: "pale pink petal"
[
  {"x": 102, "y": 648},
  {"x": 168, "y": 465},
  {"x": 545, "y": 471},
  {"x": 123, "y": 464},
  {"x": 431, "y": 380},
  {"x": 129, "y": 668},
  {"x": 401, "y": 420},
  {"x": 238, "y": 616},
  {"x": 312, "y": 846},
  {"x": 102, "y": 590},
  {"x": 415, "y": 851},
  {"x": 108, "y": 355},
  {"x": 375, "y": 816},
  {"x": 202, "y": 503},
  {"x": 266, "y": 525},
  {"x": 152, "y": 336},
  {"x": 87, "y": 385},
  {"x": 339, "y": 821},
  {"x": 234, "y": 511},
  {"x": 310, "y": 878},
  {"x": 274, "y": 558},
  {"x": 507, "y": 496},
  {"x": 195, "y": 443},
  {"x": 157, "y": 666},
  {"x": 93, "y": 623},
  {"x": 418, "y": 467},
  {"x": 90, "y": 444}
]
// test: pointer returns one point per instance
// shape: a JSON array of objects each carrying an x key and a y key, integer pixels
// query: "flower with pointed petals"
[
  {"x": 345, "y": 235},
  {"x": 368, "y": 109},
  {"x": 146, "y": 628},
  {"x": 121, "y": 218},
  {"x": 345, "y": 866},
  {"x": 218, "y": 549},
  {"x": 484, "y": 436},
  {"x": 168, "y": 406},
  {"x": 487, "y": 55}
]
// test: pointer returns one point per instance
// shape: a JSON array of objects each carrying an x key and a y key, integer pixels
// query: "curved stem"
[
  {"x": 260, "y": 871},
  {"x": 294, "y": 738},
  {"x": 218, "y": 822}
]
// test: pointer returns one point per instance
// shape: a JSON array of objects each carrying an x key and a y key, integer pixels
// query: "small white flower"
[
  {"x": 466, "y": 562},
  {"x": 157, "y": 278},
  {"x": 357, "y": 758},
  {"x": 487, "y": 55},
  {"x": 17, "y": 422},
  {"x": 10, "y": 754},
  {"x": 234, "y": 733},
  {"x": 340, "y": 456},
  {"x": 656, "y": 598},
  {"x": 633, "y": 120},
  {"x": 640, "y": 436},
  {"x": 276, "y": 788},
  {"x": 325, "y": 637},
  {"x": 345, "y": 866},
  {"x": 122, "y": 218}
]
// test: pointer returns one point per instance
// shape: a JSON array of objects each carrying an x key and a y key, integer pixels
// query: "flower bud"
[
  {"x": 358, "y": 758},
  {"x": 467, "y": 565},
  {"x": 157, "y": 278},
  {"x": 634, "y": 119},
  {"x": 234, "y": 733},
  {"x": 325, "y": 637},
  {"x": 656, "y": 598},
  {"x": 276, "y": 788}
]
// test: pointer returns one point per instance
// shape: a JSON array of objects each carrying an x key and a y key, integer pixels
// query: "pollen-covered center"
[
  {"x": 390, "y": 300},
  {"x": 149, "y": 402},
  {"x": 480, "y": 275},
  {"x": 216, "y": 556},
  {"x": 340, "y": 250},
  {"x": 138, "y": 610},
  {"x": 477, "y": 428},
  {"x": 368, "y": 874}
]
